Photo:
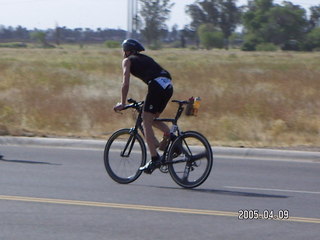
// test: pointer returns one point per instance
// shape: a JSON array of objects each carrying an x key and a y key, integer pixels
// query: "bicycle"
[{"x": 188, "y": 156}]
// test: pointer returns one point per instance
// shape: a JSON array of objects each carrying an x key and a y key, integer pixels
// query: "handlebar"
[{"x": 133, "y": 104}]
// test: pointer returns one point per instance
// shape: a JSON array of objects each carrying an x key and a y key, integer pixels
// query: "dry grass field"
[{"x": 252, "y": 99}]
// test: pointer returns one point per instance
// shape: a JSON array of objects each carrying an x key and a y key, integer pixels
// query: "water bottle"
[
  {"x": 196, "y": 105},
  {"x": 189, "y": 109}
]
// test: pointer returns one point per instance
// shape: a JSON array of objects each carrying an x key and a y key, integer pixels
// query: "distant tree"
[
  {"x": 58, "y": 35},
  {"x": 277, "y": 24},
  {"x": 257, "y": 15},
  {"x": 154, "y": 14},
  {"x": 188, "y": 34},
  {"x": 40, "y": 37},
  {"x": 203, "y": 12},
  {"x": 174, "y": 33},
  {"x": 315, "y": 16},
  {"x": 312, "y": 40},
  {"x": 21, "y": 33},
  {"x": 210, "y": 37},
  {"x": 229, "y": 18},
  {"x": 223, "y": 14},
  {"x": 285, "y": 23},
  {"x": 7, "y": 33}
]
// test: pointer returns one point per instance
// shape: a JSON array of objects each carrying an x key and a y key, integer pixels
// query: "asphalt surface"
[{"x": 58, "y": 189}]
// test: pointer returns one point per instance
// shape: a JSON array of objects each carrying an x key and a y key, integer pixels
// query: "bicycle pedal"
[{"x": 164, "y": 169}]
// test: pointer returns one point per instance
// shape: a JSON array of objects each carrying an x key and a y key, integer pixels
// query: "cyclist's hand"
[{"x": 118, "y": 107}]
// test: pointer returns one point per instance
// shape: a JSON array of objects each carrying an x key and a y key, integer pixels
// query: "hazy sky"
[{"x": 93, "y": 14}]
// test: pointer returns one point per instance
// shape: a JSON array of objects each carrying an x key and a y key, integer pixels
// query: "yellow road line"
[{"x": 143, "y": 207}]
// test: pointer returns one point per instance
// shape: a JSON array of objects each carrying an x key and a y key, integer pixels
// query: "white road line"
[
  {"x": 272, "y": 189},
  {"x": 263, "y": 158}
]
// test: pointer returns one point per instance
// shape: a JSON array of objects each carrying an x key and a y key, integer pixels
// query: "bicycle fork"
[{"x": 128, "y": 147}]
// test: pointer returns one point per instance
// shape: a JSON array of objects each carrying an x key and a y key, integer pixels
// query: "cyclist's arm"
[
  {"x": 126, "y": 80},
  {"x": 125, "y": 85}
]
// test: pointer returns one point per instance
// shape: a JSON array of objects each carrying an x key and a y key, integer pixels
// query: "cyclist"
[{"x": 160, "y": 90}]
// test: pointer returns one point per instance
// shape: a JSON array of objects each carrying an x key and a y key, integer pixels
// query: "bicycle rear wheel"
[
  {"x": 124, "y": 153},
  {"x": 191, "y": 159}
]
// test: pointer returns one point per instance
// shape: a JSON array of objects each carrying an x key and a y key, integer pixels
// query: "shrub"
[
  {"x": 210, "y": 37},
  {"x": 13, "y": 45},
  {"x": 313, "y": 40},
  {"x": 112, "y": 44},
  {"x": 156, "y": 45},
  {"x": 291, "y": 45},
  {"x": 248, "y": 46},
  {"x": 267, "y": 47},
  {"x": 250, "y": 42}
]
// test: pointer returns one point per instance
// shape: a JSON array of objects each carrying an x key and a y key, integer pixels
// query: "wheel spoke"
[{"x": 198, "y": 156}]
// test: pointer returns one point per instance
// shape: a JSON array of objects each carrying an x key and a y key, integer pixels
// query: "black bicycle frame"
[{"x": 139, "y": 126}]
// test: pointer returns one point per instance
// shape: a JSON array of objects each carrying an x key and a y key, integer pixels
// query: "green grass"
[{"x": 248, "y": 99}]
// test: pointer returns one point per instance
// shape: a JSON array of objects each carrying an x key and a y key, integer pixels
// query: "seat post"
[{"x": 179, "y": 112}]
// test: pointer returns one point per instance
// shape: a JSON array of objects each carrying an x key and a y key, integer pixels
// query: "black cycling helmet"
[{"x": 132, "y": 45}]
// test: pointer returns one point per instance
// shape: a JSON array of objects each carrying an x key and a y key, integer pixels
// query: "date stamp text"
[{"x": 254, "y": 214}]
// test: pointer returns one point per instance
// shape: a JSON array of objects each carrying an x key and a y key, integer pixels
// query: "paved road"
[{"x": 64, "y": 193}]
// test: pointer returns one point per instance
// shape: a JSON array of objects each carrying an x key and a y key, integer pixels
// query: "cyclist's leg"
[
  {"x": 155, "y": 161},
  {"x": 148, "y": 115},
  {"x": 161, "y": 126},
  {"x": 156, "y": 100},
  {"x": 166, "y": 134},
  {"x": 165, "y": 97},
  {"x": 149, "y": 133}
]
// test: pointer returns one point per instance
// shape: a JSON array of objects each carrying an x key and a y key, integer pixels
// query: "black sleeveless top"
[{"x": 145, "y": 68}]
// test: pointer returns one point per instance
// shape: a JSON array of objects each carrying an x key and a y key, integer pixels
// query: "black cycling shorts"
[{"x": 157, "y": 97}]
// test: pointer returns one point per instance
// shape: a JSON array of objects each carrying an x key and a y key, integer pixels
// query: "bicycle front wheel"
[
  {"x": 191, "y": 159},
  {"x": 124, "y": 153}
]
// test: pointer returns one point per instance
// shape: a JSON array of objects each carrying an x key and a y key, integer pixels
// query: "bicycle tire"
[
  {"x": 191, "y": 159},
  {"x": 124, "y": 169}
]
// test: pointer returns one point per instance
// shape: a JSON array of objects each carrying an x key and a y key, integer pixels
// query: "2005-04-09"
[{"x": 251, "y": 214}]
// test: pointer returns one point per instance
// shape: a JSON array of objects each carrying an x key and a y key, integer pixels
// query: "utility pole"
[{"x": 132, "y": 18}]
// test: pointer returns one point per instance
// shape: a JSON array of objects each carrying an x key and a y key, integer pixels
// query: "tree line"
[
  {"x": 60, "y": 35},
  {"x": 258, "y": 25}
]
